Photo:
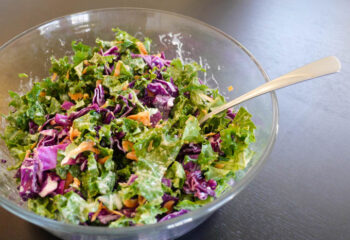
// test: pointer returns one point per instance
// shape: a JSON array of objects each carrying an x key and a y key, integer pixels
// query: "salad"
[{"x": 112, "y": 137}]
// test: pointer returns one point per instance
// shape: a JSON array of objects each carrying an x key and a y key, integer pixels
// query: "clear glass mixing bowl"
[{"x": 227, "y": 63}]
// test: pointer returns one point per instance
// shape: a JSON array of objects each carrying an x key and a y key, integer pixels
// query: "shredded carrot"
[
  {"x": 83, "y": 147},
  {"x": 169, "y": 205},
  {"x": 209, "y": 134},
  {"x": 94, "y": 216},
  {"x": 141, "y": 48},
  {"x": 136, "y": 91},
  {"x": 42, "y": 94},
  {"x": 76, "y": 96},
  {"x": 127, "y": 146},
  {"x": 67, "y": 75},
  {"x": 54, "y": 76},
  {"x": 98, "y": 82},
  {"x": 131, "y": 155},
  {"x": 73, "y": 133},
  {"x": 52, "y": 122},
  {"x": 33, "y": 146},
  {"x": 86, "y": 96},
  {"x": 137, "y": 77},
  {"x": 141, "y": 200},
  {"x": 27, "y": 154},
  {"x": 143, "y": 117},
  {"x": 69, "y": 180},
  {"x": 150, "y": 146},
  {"x": 103, "y": 160},
  {"x": 125, "y": 87},
  {"x": 130, "y": 203},
  {"x": 230, "y": 88},
  {"x": 117, "y": 69},
  {"x": 76, "y": 182},
  {"x": 220, "y": 165},
  {"x": 84, "y": 71},
  {"x": 86, "y": 62}
]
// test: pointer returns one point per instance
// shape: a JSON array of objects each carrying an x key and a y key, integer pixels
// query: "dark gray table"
[{"x": 303, "y": 192}]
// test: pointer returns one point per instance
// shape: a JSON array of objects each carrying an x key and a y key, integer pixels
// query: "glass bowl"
[{"x": 227, "y": 63}]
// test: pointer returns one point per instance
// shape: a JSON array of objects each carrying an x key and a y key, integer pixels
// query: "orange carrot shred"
[
  {"x": 69, "y": 180},
  {"x": 103, "y": 160},
  {"x": 127, "y": 146},
  {"x": 169, "y": 205},
  {"x": 131, "y": 155},
  {"x": 73, "y": 133},
  {"x": 141, "y": 48},
  {"x": 130, "y": 203},
  {"x": 94, "y": 216},
  {"x": 230, "y": 88},
  {"x": 76, "y": 96},
  {"x": 42, "y": 94},
  {"x": 76, "y": 182},
  {"x": 220, "y": 165},
  {"x": 98, "y": 82},
  {"x": 143, "y": 117},
  {"x": 117, "y": 69},
  {"x": 27, "y": 154},
  {"x": 54, "y": 76}
]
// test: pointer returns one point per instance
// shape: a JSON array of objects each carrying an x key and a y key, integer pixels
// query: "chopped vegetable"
[{"x": 113, "y": 138}]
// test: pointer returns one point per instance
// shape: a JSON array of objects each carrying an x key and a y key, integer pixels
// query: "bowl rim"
[{"x": 178, "y": 221}]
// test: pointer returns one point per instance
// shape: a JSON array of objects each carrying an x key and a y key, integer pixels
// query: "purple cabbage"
[
  {"x": 161, "y": 94},
  {"x": 99, "y": 96},
  {"x": 62, "y": 120},
  {"x": 164, "y": 104},
  {"x": 155, "y": 118},
  {"x": 170, "y": 87},
  {"x": 49, "y": 138},
  {"x": 112, "y": 51},
  {"x": 215, "y": 141},
  {"x": 117, "y": 141},
  {"x": 191, "y": 149},
  {"x": 83, "y": 111},
  {"x": 166, "y": 182},
  {"x": 167, "y": 198},
  {"x": 3, "y": 161},
  {"x": 128, "y": 107},
  {"x": 50, "y": 184},
  {"x": 66, "y": 105},
  {"x": 29, "y": 178},
  {"x": 153, "y": 61},
  {"x": 230, "y": 114},
  {"x": 196, "y": 184},
  {"x": 157, "y": 89},
  {"x": 174, "y": 215},
  {"x": 60, "y": 187},
  {"x": 132, "y": 179},
  {"x": 48, "y": 120},
  {"x": 129, "y": 212},
  {"x": 105, "y": 217},
  {"x": 33, "y": 127},
  {"x": 47, "y": 156}
]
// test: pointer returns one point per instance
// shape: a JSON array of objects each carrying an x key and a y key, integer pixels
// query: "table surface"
[{"x": 303, "y": 191}]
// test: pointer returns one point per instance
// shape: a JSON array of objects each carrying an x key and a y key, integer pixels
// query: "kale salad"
[{"x": 112, "y": 137}]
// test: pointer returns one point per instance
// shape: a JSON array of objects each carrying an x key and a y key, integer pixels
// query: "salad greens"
[{"x": 112, "y": 138}]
